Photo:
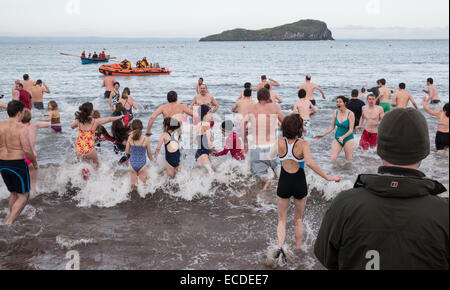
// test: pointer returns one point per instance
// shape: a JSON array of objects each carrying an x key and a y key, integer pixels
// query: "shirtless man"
[
  {"x": 385, "y": 96},
  {"x": 373, "y": 114},
  {"x": 273, "y": 95},
  {"x": 27, "y": 83},
  {"x": 246, "y": 86},
  {"x": 204, "y": 98},
  {"x": 304, "y": 108},
  {"x": 171, "y": 110},
  {"x": 108, "y": 84},
  {"x": 309, "y": 87},
  {"x": 241, "y": 107},
  {"x": 37, "y": 93},
  {"x": 433, "y": 94},
  {"x": 402, "y": 98},
  {"x": 263, "y": 118},
  {"x": 32, "y": 128},
  {"x": 15, "y": 91},
  {"x": 265, "y": 82},
  {"x": 199, "y": 84},
  {"x": 14, "y": 147}
]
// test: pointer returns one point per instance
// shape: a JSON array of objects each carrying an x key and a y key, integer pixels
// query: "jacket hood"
[{"x": 394, "y": 182}]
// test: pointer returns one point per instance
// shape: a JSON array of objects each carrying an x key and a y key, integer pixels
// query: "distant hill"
[{"x": 301, "y": 30}]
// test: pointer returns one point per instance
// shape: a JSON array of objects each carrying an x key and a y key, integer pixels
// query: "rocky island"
[{"x": 301, "y": 30}]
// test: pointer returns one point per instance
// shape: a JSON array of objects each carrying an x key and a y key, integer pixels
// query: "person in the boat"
[
  {"x": 139, "y": 64},
  {"x": 83, "y": 54},
  {"x": 103, "y": 55},
  {"x": 95, "y": 55},
  {"x": 145, "y": 62},
  {"x": 89, "y": 56}
]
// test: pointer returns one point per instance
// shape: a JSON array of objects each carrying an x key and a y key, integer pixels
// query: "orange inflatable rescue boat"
[{"x": 116, "y": 70}]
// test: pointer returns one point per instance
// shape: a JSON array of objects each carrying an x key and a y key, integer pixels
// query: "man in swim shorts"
[
  {"x": 304, "y": 107},
  {"x": 309, "y": 87},
  {"x": 37, "y": 94},
  {"x": 402, "y": 98},
  {"x": 385, "y": 96},
  {"x": 14, "y": 148},
  {"x": 432, "y": 92},
  {"x": 374, "y": 115},
  {"x": 263, "y": 118},
  {"x": 108, "y": 84}
]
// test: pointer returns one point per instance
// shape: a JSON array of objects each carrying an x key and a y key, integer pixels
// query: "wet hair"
[
  {"x": 84, "y": 113},
  {"x": 263, "y": 77},
  {"x": 430, "y": 80},
  {"x": 119, "y": 108},
  {"x": 355, "y": 93},
  {"x": 302, "y": 94},
  {"x": 267, "y": 86},
  {"x": 308, "y": 77},
  {"x": 227, "y": 126},
  {"x": 119, "y": 131},
  {"x": 446, "y": 108},
  {"x": 15, "y": 107},
  {"x": 383, "y": 82},
  {"x": 371, "y": 95},
  {"x": 247, "y": 93},
  {"x": 38, "y": 82},
  {"x": 116, "y": 83},
  {"x": 203, "y": 110},
  {"x": 247, "y": 85},
  {"x": 344, "y": 99},
  {"x": 363, "y": 90},
  {"x": 172, "y": 97},
  {"x": 402, "y": 86},
  {"x": 20, "y": 86},
  {"x": 125, "y": 94},
  {"x": 378, "y": 82},
  {"x": 53, "y": 105},
  {"x": 26, "y": 77},
  {"x": 26, "y": 116},
  {"x": 292, "y": 127},
  {"x": 171, "y": 124},
  {"x": 263, "y": 95},
  {"x": 137, "y": 128}
]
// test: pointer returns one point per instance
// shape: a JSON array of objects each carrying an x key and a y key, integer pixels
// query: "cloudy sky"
[{"x": 198, "y": 18}]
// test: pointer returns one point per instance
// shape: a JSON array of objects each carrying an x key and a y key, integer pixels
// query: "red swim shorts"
[{"x": 368, "y": 139}]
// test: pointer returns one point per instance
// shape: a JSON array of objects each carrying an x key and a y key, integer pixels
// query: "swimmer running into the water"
[
  {"x": 304, "y": 107},
  {"x": 138, "y": 146},
  {"x": 344, "y": 120},
  {"x": 171, "y": 139},
  {"x": 203, "y": 137},
  {"x": 54, "y": 117},
  {"x": 294, "y": 153}
]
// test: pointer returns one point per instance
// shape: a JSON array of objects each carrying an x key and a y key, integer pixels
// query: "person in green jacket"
[{"x": 393, "y": 220}]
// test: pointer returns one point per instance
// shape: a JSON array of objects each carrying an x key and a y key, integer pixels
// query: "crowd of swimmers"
[
  {"x": 253, "y": 132},
  {"x": 94, "y": 56}
]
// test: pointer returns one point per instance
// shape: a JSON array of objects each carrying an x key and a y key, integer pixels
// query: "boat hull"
[{"x": 91, "y": 61}]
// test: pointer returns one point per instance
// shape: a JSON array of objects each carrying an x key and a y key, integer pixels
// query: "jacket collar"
[{"x": 395, "y": 182}]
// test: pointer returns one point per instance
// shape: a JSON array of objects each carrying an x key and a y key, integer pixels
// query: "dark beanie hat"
[{"x": 403, "y": 137}]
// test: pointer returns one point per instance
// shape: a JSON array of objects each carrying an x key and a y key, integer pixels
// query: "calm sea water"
[{"x": 197, "y": 221}]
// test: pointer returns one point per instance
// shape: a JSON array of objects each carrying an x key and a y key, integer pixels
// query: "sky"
[{"x": 199, "y": 18}]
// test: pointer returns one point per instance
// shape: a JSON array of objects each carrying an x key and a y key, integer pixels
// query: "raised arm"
[
  {"x": 215, "y": 104},
  {"x": 274, "y": 83},
  {"x": 428, "y": 110},
  {"x": 74, "y": 124},
  {"x": 329, "y": 130},
  {"x": 311, "y": 164},
  {"x": 107, "y": 120},
  {"x": 155, "y": 115}
]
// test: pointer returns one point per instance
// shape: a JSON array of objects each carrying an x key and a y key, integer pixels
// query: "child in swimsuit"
[
  {"x": 138, "y": 146},
  {"x": 54, "y": 117},
  {"x": 203, "y": 139},
  {"x": 294, "y": 153},
  {"x": 233, "y": 142},
  {"x": 87, "y": 125},
  {"x": 171, "y": 139}
]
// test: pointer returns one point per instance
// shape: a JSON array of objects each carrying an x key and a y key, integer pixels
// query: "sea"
[{"x": 199, "y": 221}]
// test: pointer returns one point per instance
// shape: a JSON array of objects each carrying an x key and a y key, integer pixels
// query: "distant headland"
[{"x": 301, "y": 30}]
